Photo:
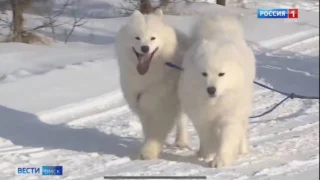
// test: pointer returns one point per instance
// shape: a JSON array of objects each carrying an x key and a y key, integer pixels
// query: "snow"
[{"x": 62, "y": 105}]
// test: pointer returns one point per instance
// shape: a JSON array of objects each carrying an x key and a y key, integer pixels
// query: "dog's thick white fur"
[
  {"x": 150, "y": 87},
  {"x": 216, "y": 88}
]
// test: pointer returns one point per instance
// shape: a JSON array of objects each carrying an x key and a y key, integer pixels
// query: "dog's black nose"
[
  {"x": 145, "y": 49},
  {"x": 211, "y": 90}
]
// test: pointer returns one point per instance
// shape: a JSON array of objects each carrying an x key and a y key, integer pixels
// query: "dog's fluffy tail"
[{"x": 209, "y": 28}]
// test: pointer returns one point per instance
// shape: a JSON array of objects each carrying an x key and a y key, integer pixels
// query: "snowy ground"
[{"x": 61, "y": 105}]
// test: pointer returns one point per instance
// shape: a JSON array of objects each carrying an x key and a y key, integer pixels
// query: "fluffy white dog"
[
  {"x": 216, "y": 88},
  {"x": 143, "y": 45}
]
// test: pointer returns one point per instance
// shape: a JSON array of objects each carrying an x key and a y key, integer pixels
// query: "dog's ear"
[
  {"x": 136, "y": 14},
  {"x": 136, "y": 18},
  {"x": 159, "y": 12}
]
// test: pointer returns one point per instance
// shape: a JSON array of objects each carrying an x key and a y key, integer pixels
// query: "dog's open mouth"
[{"x": 144, "y": 61}]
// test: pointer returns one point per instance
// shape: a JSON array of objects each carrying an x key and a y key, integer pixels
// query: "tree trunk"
[
  {"x": 17, "y": 21},
  {"x": 145, "y": 6},
  {"x": 18, "y": 7},
  {"x": 164, "y": 3},
  {"x": 222, "y": 2}
]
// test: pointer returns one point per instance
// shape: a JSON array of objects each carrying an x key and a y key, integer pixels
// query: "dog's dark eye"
[
  {"x": 221, "y": 74},
  {"x": 204, "y": 74},
  {"x": 137, "y": 38},
  {"x": 152, "y": 38}
]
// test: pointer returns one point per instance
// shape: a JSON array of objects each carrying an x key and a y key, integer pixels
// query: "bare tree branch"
[
  {"x": 51, "y": 16},
  {"x": 78, "y": 20},
  {"x": 5, "y": 21}
]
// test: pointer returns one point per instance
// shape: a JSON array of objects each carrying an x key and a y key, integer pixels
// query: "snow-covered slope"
[{"x": 61, "y": 105}]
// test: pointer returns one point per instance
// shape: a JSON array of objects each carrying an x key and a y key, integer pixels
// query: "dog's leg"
[
  {"x": 182, "y": 136},
  {"x": 207, "y": 142},
  {"x": 227, "y": 152},
  {"x": 160, "y": 108},
  {"x": 151, "y": 149},
  {"x": 244, "y": 145},
  {"x": 155, "y": 129}
]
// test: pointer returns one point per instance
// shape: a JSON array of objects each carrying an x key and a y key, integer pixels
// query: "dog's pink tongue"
[{"x": 143, "y": 64}]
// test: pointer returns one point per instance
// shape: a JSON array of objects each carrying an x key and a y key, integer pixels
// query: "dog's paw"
[
  {"x": 147, "y": 157},
  {"x": 150, "y": 151},
  {"x": 183, "y": 145},
  {"x": 217, "y": 163},
  {"x": 220, "y": 162},
  {"x": 205, "y": 156},
  {"x": 147, "y": 154}
]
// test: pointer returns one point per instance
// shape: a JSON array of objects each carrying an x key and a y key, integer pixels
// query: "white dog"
[
  {"x": 143, "y": 45},
  {"x": 216, "y": 88}
]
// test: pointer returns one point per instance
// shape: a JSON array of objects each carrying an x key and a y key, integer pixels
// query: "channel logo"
[
  {"x": 52, "y": 170},
  {"x": 28, "y": 171},
  {"x": 278, "y": 13},
  {"x": 44, "y": 170}
]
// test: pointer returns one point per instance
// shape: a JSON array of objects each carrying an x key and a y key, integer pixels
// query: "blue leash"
[{"x": 288, "y": 95}]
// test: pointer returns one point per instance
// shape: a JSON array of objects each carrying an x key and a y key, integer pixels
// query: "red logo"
[{"x": 293, "y": 13}]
